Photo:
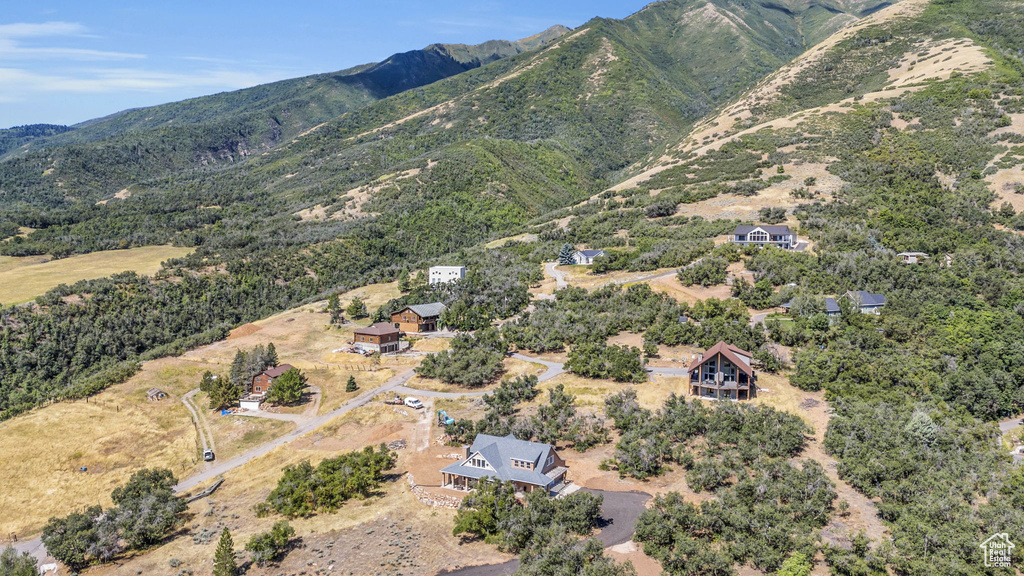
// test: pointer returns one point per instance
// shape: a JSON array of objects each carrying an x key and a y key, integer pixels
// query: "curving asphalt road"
[{"x": 619, "y": 514}]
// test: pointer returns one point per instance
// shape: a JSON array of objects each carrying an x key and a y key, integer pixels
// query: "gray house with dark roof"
[
  {"x": 866, "y": 302},
  {"x": 831, "y": 307},
  {"x": 528, "y": 465},
  {"x": 586, "y": 257},
  {"x": 759, "y": 235}
]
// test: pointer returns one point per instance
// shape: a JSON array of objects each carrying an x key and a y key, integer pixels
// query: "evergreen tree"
[
  {"x": 351, "y": 385},
  {"x": 357, "y": 308},
  {"x": 404, "y": 284},
  {"x": 287, "y": 388},
  {"x": 334, "y": 309},
  {"x": 224, "y": 559},
  {"x": 271, "y": 356},
  {"x": 222, "y": 392},
  {"x": 207, "y": 382},
  {"x": 238, "y": 374},
  {"x": 565, "y": 255}
]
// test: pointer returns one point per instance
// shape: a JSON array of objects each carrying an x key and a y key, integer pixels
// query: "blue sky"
[{"x": 64, "y": 62}]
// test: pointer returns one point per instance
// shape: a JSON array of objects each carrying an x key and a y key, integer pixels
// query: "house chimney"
[{"x": 465, "y": 451}]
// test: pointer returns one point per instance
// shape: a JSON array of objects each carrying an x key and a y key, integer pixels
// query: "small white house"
[
  {"x": 912, "y": 257},
  {"x": 442, "y": 274},
  {"x": 586, "y": 257}
]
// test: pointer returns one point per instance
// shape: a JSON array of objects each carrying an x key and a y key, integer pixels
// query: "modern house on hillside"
[
  {"x": 586, "y": 257},
  {"x": 380, "y": 337},
  {"x": 780, "y": 236},
  {"x": 418, "y": 318},
  {"x": 866, "y": 302},
  {"x": 443, "y": 274},
  {"x": 528, "y": 465},
  {"x": 723, "y": 371}
]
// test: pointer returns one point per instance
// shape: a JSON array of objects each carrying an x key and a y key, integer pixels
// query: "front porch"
[{"x": 722, "y": 390}]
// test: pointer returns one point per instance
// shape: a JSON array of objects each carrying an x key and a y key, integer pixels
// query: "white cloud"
[
  {"x": 30, "y": 30},
  {"x": 13, "y": 48},
  {"x": 16, "y": 83}
]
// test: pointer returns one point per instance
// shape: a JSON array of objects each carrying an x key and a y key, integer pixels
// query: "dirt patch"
[
  {"x": 243, "y": 331},
  {"x": 690, "y": 294}
]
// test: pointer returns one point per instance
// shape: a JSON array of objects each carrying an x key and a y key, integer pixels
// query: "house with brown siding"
[
  {"x": 418, "y": 318},
  {"x": 380, "y": 337},
  {"x": 528, "y": 465},
  {"x": 723, "y": 372},
  {"x": 262, "y": 382}
]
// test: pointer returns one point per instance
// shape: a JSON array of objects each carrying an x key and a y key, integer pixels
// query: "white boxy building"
[{"x": 441, "y": 274}]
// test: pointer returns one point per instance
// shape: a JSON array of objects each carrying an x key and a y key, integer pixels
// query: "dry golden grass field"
[{"x": 22, "y": 279}]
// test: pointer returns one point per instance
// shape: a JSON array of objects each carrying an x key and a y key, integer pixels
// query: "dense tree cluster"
[
  {"x": 766, "y": 516},
  {"x": 556, "y": 421},
  {"x": 729, "y": 434},
  {"x": 545, "y": 531},
  {"x": 598, "y": 360},
  {"x": 145, "y": 510},
  {"x": 304, "y": 490},
  {"x": 473, "y": 360}
]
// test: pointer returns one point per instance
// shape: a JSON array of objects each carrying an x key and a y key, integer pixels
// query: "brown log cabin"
[{"x": 418, "y": 318}]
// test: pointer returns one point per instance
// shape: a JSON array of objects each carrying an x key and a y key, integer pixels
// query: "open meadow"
[{"x": 24, "y": 278}]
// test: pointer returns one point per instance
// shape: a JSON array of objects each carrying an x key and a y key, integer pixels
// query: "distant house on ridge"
[{"x": 912, "y": 257}]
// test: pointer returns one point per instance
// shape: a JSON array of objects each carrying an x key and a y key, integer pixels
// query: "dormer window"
[{"x": 478, "y": 462}]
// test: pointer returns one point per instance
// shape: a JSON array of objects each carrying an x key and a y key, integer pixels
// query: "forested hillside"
[
  {"x": 377, "y": 188},
  {"x": 900, "y": 131},
  {"x": 102, "y": 156}
]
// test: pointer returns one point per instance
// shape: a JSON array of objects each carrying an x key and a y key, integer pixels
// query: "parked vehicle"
[
  {"x": 413, "y": 403},
  {"x": 444, "y": 419},
  {"x": 396, "y": 401},
  {"x": 208, "y": 455}
]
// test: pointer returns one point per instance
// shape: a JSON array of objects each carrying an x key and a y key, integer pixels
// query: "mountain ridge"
[{"x": 338, "y": 91}]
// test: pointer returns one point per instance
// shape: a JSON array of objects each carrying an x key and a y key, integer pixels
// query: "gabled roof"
[
  {"x": 591, "y": 253},
  {"x": 739, "y": 357},
  {"x": 769, "y": 229},
  {"x": 378, "y": 329},
  {"x": 913, "y": 254},
  {"x": 499, "y": 451},
  {"x": 864, "y": 298},
  {"x": 426, "y": 310},
  {"x": 277, "y": 370}
]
